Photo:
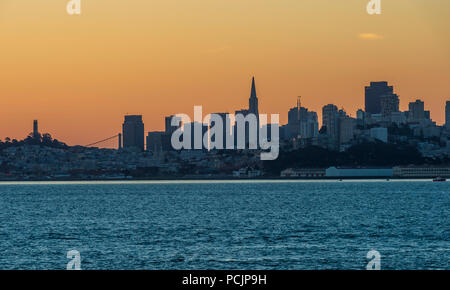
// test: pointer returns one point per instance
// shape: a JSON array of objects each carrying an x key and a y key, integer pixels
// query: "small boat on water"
[{"x": 439, "y": 179}]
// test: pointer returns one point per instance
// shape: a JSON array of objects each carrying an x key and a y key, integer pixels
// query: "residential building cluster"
[{"x": 381, "y": 120}]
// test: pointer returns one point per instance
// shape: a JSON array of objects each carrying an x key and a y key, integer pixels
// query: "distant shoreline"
[{"x": 215, "y": 179}]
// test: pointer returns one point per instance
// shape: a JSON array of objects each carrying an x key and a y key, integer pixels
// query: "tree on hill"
[
  {"x": 375, "y": 154},
  {"x": 45, "y": 140}
]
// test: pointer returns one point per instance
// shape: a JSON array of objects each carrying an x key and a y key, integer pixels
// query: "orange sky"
[{"x": 80, "y": 74}]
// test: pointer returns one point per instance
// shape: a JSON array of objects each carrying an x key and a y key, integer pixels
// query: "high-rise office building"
[
  {"x": 253, "y": 100},
  {"x": 253, "y": 108},
  {"x": 244, "y": 113},
  {"x": 330, "y": 120},
  {"x": 373, "y": 95},
  {"x": 293, "y": 123},
  {"x": 155, "y": 141},
  {"x": 133, "y": 132},
  {"x": 361, "y": 118},
  {"x": 346, "y": 129},
  {"x": 416, "y": 111},
  {"x": 169, "y": 129},
  {"x": 226, "y": 130},
  {"x": 302, "y": 123},
  {"x": 447, "y": 115},
  {"x": 197, "y": 131},
  {"x": 390, "y": 103},
  {"x": 310, "y": 127}
]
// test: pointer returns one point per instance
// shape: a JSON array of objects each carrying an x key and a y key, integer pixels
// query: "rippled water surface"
[{"x": 225, "y": 225}]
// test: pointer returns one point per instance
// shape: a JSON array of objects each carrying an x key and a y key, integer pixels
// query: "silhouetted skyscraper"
[
  {"x": 302, "y": 122},
  {"x": 252, "y": 109},
  {"x": 346, "y": 128},
  {"x": 226, "y": 129},
  {"x": 169, "y": 129},
  {"x": 390, "y": 103},
  {"x": 374, "y": 92},
  {"x": 330, "y": 119},
  {"x": 361, "y": 117},
  {"x": 198, "y": 131},
  {"x": 253, "y": 101},
  {"x": 447, "y": 115},
  {"x": 416, "y": 111},
  {"x": 133, "y": 132},
  {"x": 155, "y": 141}
]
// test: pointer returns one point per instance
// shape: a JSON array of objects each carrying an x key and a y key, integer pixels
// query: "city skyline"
[
  {"x": 301, "y": 122},
  {"x": 78, "y": 74}
]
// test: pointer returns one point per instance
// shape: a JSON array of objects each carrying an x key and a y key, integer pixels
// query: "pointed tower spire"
[
  {"x": 253, "y": 101},
  {"x": 253, "y": 93}
]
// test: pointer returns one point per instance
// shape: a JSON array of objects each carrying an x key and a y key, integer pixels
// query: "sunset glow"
[{"x": 79, "y": 75}]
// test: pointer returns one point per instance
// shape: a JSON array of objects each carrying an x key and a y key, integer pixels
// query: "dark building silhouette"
[
  {"x": 416, "y": 111},
  {"x": 133, "y": 132},
  {"x": 196, "y": 139},
  {"x": 374, "y": 92},
  {"x": 226, "y": 126},
  {"x": 294, "y": 120},
  {"x": 390, "y": 103},
  {"x": 253, "y": 108},
  {"x": 253, "y": 101},
  {"x": 168, "y": 131},
  {"x": 330, "y": 120},
  {"x": 302, "y": 122},
  {"x": 35, "y": 129},
  {"x": 155, "y": 141},
  {"x": 447, "y": 115}
]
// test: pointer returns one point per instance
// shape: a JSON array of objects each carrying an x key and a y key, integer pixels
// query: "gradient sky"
[{"x": 80, "y": 74}]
